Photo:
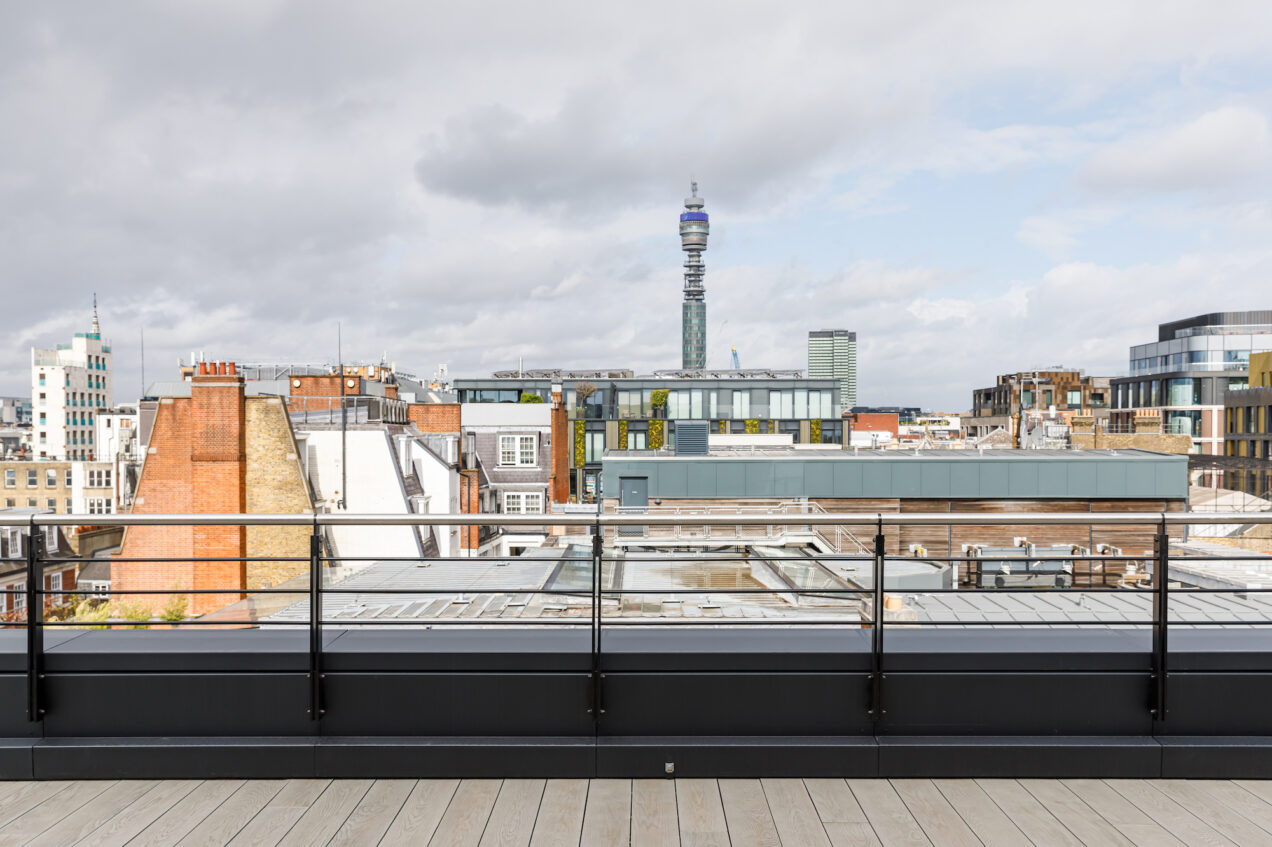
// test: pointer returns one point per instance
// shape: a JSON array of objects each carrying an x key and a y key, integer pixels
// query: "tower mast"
[{"x": 694, "y": 228}]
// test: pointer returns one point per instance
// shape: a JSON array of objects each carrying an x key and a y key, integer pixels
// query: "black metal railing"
[{"x": 595, "y": 561}]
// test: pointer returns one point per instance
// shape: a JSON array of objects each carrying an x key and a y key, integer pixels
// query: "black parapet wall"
[{"x": 736, "y": 701}]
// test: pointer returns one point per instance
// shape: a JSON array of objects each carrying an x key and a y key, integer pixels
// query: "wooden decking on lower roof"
[{"x": 688, "y": 812}]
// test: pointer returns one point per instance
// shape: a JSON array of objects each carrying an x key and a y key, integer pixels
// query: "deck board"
[
  {"x": 137, "y": 816},
  {"x": 981, "y": 813},
  {"x": 654, "y": 819},
  {"x": 748, "y": 814},
  {"x": 466, "y": 816},
  {"x": 607, "y": 815},
  {"x": 420, "y": 815},
  {"x": 374, "y": 814},
  {"x": 793, "y": 812},
  {"x": 771, "y": 812},
  {"x": 560, "y": 821},
  {"x": 224, "y": 822},
  {"x": 512, "y": 820},
  {"x": 51, "y": 810}
]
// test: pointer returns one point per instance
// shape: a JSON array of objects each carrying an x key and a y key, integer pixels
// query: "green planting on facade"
[
  {"x": 752, "y": 427},
  {"x": 655, "y": 441},
  {"x": 814, "y": 428},
  {"x": 580, "y": 444},
  {"x": 622, "y": 435}
]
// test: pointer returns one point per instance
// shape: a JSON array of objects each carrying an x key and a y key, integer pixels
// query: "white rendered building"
[{"x": 70, "y": 386}]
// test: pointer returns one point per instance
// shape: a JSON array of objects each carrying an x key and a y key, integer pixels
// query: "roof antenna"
[
  {"x": 693, "y": 190},
  {"x": 97, "y": 327}
]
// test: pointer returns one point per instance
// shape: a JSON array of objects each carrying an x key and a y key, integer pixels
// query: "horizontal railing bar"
[
  {"x": 158, "y": 560},
  {"x": 862, "y": 519},
  {"x": 917, "y": 623},
  {"x": 473, "y": 559},
  {"x": 122, "y": 622},
  {"x": 108, "y": 591}
]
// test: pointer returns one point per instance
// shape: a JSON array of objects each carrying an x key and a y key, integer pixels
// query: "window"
[
  {"x": 51, "y": 504},
  {"x": 593, "y": 446},
  {"x": 50, "y": 478},
  {"x": 636, "y": 440},
  {"x": 68, "y": 506},
  {"x": 523, "y": 503},
  {"x": 1026, "y": 398},
  {"x": 9, "y": 503},
  {"x": 41, "y": 379},
  {"x": 18, "y": 601},
  {"x": 518, "y": 451},
  {"x": 68, "y": 478},
  {"x": 33, "y": 478},
  {"x": 10, "y": 479},
  {"x": 1074, "y": 399},
  {"x": 55, "y": 584}
]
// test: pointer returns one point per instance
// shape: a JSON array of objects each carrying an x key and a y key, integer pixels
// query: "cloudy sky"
[{"x": 972, "y": 187}]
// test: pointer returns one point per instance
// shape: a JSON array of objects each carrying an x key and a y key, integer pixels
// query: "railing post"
[
  {"x": 35, "y": 622},
  {"x": 315, "y": 624},
  {"x": 1161, "y": 618},
  {"x": 876, "y": 630},
  {"x": 595, "y": 708}
]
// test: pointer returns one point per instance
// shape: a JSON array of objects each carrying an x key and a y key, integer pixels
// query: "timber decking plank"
[
  {"x": 701, "y": 813},
  {"x": 1186, "y": 826},
  {"x": 940, "y": 821},
  {"x": 794, "y": 814},
  {"x": 654, "y": 819},
  {"x": 1080, "y": 819},
  {"x": 274, "y": 817},
  {"x": 1034, "y": 819},
  {"x": 852, "y": 835},
  {"x": 1129, "y": 819},
  {"x": 27, "y": 796},
  {"x": 1192, "y": 796},
  {"x": 747, "y": 812},
  {"x": 512, "y": 820},
  {"x": 49, "y": 811},
  {"x": 887, "y": 813},
  {"x": 324, "y": 817},
  {"x": 607, "y": 815},
  {"x": 834, "y": 801},
  {"x": 560, "y": 821},
  {"x": 187, "y": 813},
  {"x": 374, "y": 814},
  {"x": 142, "y": 812},
  {"x": 419, "y": 816},
  {"x": 93, "y": 815},
  {"x": 466, "y": 816},
  {"x": 981, "y": 813}
]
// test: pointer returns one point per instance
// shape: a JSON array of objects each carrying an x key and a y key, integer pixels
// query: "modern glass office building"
[
  {"x": 1185, "y": 374},
  {"x": 832, "y": 354},
  {"x": 615, "y": 410}
]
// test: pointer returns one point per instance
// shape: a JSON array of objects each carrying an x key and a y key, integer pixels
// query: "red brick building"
[{"x": 219, "y": 452}]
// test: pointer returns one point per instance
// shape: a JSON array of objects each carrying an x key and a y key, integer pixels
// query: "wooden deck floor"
[{"x": 688, "y": 812}]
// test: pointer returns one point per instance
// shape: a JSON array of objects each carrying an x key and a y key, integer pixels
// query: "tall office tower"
[
  {"x": 70, "y": 386},
  {"x": 832, "y": 354},
  {"x": 694, "y": 227}
]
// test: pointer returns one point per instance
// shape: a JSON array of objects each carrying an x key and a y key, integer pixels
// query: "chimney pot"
[
  {"x": 220, "y": 368},
  {"x": 203, "y": 368},
  {"x": 233, "y": 368}
]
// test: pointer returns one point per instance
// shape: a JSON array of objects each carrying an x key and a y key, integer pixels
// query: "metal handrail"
[
  {"x": 606, "y": 519},
  {"x": 1160, "y": 620}
]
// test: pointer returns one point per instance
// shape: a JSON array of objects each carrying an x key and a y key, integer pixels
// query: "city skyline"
[{"x": 993, "y": 182}]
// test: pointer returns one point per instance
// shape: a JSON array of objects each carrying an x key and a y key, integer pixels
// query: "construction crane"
[{"x": 736, "y": 366}]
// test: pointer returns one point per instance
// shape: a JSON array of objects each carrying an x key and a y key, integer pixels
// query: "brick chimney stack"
[
  {"x": 218, "y": 478},
  {"x": 559, "y": 481}
]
